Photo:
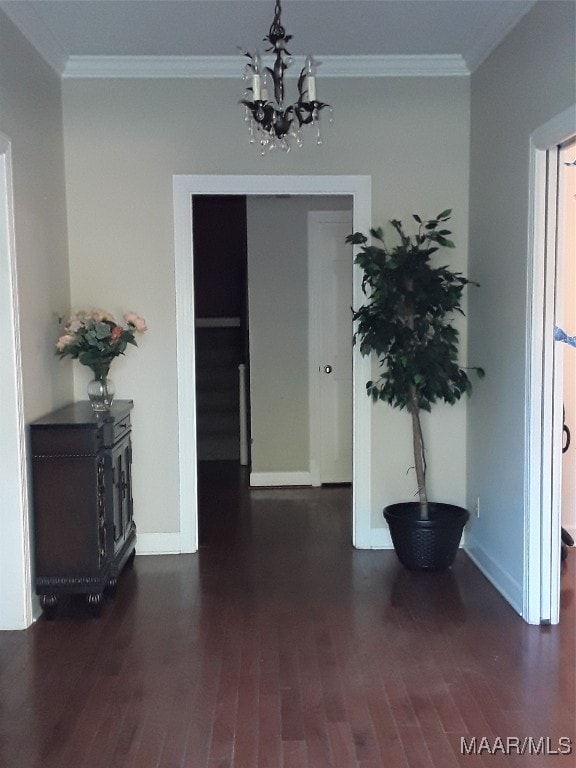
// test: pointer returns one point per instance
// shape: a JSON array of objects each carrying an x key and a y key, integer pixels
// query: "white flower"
[
  {"x": 138, "y": 322},
  {"x": 75, "y": 324},
  {"x": 64, "y": 341},
  {"x": 100, "y": 314}
]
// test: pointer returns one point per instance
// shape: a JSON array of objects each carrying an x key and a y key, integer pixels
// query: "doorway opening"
[
  {"x": 358, "y": 188},
  {"x": 272, "y": 274},
  {"x": 221, "y": 325},
  {"x": 566, "y": 319},
  {"x": 221, "y": 360}
]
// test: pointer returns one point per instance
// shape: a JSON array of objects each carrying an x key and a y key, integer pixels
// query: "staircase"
[{"x": 219, "y": 351}]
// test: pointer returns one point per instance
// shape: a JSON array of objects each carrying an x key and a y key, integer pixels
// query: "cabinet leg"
[
  {"x": 49, "y": 605},
  {"x": 130, "y": 561},
  {"x": 94, "y": 601}
]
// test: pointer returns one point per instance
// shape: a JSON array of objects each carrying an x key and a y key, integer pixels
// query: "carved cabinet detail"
[{"x": 84, "y": 531}]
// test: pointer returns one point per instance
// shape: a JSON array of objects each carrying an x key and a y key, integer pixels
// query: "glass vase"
[{"x": 101, "y": 394}]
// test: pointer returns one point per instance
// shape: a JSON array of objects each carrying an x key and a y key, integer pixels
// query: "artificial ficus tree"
[{"x": 407, "y": 322}]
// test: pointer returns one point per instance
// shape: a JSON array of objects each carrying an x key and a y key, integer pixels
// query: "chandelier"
[{"x": 270, "y": 122}]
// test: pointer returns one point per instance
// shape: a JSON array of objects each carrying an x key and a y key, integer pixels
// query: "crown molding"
[{"x": 231, "y": 66}]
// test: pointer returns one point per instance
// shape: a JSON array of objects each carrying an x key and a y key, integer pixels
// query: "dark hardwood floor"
[{"x": 280, "y": 646}]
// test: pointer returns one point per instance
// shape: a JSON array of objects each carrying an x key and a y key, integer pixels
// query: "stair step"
[
  {"x": 219, "y": 346},
  {"x": 223, "y": 423},
  {"x": 222, "y": 378},
  {"x": 210, "y": 336},
  {"x": 219, "y": 351},
  {"x": 219, "y": 357},
  {"x": 218, "y": 448},
  {"x": 217, "y": 401}
]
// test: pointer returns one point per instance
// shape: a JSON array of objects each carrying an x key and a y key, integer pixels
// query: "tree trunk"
[
  {"x": 417, "y": 438},
  {"x": 419, "y": 457}
]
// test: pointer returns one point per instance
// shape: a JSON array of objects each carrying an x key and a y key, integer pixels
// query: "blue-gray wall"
[{"x": 528, "y": 80}]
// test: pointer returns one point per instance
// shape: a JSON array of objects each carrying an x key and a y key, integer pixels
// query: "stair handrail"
[{"x": 243, "y": 416}]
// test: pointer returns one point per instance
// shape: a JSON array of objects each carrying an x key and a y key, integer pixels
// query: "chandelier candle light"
[{"x": 268, "y": 119}]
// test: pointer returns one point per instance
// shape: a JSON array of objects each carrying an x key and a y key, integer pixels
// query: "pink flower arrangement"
[{"x": 95, "y": 338}]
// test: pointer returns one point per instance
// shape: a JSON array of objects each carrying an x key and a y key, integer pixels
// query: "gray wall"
[
  {"x": 526, "y": 82},
  {"x": 31, "y": 124},
  {"x": 31, "y": 117},
  {"x": 125, "y": 139},
  {"x": 278, "y": 312}
]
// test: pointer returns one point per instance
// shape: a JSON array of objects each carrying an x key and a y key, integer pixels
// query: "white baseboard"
[
  {"x": 271, "y": 479},
  {"x": 509, "y": 588},
  {"x": 380, "y": 539},
  {"x": 158, "y": 544}
]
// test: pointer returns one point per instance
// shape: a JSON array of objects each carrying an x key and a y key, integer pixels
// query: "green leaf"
[
  {"x": 406, "y": 321},
  {"x": 357, "y": 238}
]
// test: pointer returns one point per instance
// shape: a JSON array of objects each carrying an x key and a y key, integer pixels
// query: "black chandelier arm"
[
  {"x": 277, "y": 75},
  {"x": 277, "y": 124},
  {"x": 283, "y": 120},
  {"x": 262, "y": 112},
  {"x": 308, "y": 111}
]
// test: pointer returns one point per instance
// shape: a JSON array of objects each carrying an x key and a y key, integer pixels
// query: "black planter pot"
[{"x": 426, "y": 544}]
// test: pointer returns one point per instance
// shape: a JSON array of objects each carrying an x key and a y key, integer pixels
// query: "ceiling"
[{"x": 348, "y": 36}]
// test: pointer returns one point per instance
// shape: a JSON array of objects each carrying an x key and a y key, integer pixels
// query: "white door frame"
[
  {"x": 15, "y": 579},
  {"x": 184, "y": 187},
  {"x": 543, "y": 416}
]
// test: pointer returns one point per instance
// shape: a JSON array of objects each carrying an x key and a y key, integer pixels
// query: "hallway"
[{"x": 280, "y": 646}]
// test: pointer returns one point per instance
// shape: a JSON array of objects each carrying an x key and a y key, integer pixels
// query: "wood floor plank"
[
  {"x": 356, "y": 686},
  {"x": 269, "y": 731},
  {"x": 443, "y": 750},
  {"x": 341, "y": 745},
  {"x": 385, "y": 727},
  {"x": 225, "y": 714},
  {"x": 247, "y": 725},
  {"x": 294, "y": 755},
  {"x": 278, "y": 645},
  {"x": 415, "y": 746}
]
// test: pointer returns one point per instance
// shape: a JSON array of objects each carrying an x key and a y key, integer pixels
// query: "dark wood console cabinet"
[{"x": 84, "y": 532}]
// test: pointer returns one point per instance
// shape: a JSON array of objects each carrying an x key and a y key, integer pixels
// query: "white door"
[{"x": 330, "y": 359}]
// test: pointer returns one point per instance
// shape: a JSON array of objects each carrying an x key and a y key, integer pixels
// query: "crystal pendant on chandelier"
[{"x": 270, "y": 123}]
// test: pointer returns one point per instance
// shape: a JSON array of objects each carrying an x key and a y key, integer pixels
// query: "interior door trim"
[{"x": 184, "y": 187}]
